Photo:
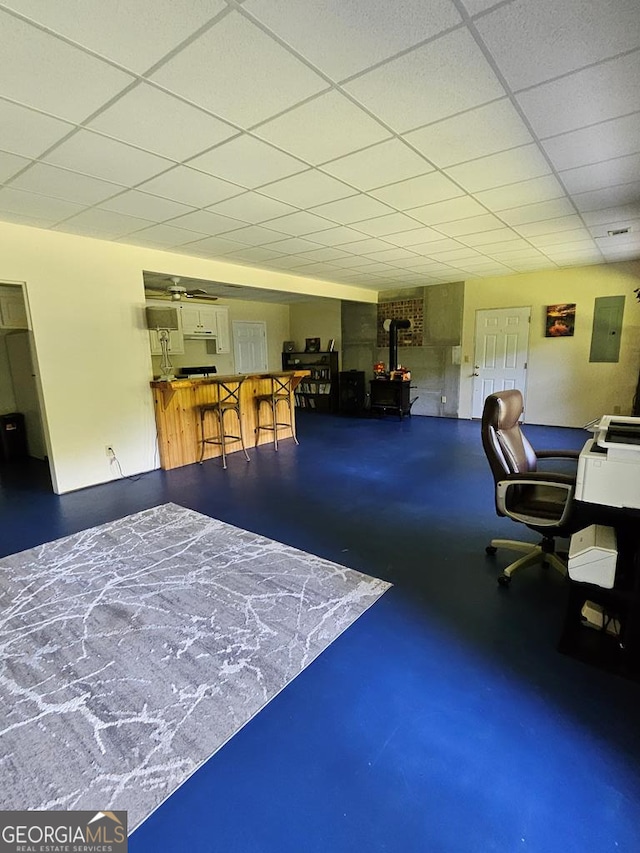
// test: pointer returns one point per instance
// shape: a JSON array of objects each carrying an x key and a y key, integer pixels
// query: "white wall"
[
  {"x": 86, "y": 299},
  {"x": 563, "y": 387}
]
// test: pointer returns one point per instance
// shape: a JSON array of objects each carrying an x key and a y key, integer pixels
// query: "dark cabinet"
[
  {"x": 318, "y": 391},
  {"x": 352, "y": 394}
]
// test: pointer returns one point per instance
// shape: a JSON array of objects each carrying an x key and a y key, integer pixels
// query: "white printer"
[{"x": 609, "y": 463}]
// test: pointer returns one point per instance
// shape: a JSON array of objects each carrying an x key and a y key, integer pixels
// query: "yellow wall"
[
  {"x": 563, "y": 387},
  {"x": 321, "y": 319},
  {"x": 86, "y": 300}
]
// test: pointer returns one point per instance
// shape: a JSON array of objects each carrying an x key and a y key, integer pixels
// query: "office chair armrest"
[
  {"x": 560, "y": 482},
  {"x": 557, "y": 454}
]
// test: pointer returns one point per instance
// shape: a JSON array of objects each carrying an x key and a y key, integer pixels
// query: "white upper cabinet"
[
  {"x": 199, "y": 321},
  {"x": 176, "y": 341},
  {"x": 223, "y": 339}
]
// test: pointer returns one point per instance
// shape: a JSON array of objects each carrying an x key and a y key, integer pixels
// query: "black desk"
[{"x": 619, "y": 654}]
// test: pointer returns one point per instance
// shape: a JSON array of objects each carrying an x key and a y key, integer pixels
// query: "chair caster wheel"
[
  {"x": 504, "y": 580},
  {"x": 491, "y": 550}
]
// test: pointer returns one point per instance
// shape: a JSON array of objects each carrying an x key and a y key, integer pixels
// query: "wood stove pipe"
[{"x": 392, "y": 327}]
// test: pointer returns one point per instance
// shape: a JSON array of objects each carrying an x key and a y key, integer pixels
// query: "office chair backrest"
[{"x": 505, "y": 445}]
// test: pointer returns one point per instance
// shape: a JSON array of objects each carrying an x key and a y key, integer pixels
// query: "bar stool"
[
  {"x": 228, "y": 401},
  {"x": 281, "y": 392}
]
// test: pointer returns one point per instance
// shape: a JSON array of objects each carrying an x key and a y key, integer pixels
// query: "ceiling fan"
[{"x": 177, "y": 291}]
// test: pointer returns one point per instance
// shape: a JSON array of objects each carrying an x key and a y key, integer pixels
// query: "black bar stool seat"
[
  {"x": 279, "y": 395},
  {"x": 228, "y": 401}
]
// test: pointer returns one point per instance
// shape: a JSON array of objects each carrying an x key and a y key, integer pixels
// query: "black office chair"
[{"x": 541, "y": 500}]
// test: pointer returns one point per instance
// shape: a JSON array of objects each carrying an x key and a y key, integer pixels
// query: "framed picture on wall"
[
  {"x": 312, "y": 345},
  {"x": 560, "y": 320}
]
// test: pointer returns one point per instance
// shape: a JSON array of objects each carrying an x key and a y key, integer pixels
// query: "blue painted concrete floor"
[{"x": 444, "y": 719}]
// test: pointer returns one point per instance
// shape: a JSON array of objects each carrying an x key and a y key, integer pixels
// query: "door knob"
[{"x": 475, "y": 374}]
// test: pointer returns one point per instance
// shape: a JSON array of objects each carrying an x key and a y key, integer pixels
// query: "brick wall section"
[{"x": 405, "y": 309}]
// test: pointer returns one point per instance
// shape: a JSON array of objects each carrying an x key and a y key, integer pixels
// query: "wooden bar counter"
[{"x": 178, "y": 423}]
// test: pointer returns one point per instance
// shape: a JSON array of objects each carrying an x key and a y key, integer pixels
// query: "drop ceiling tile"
[
  {"x": 292, "y": 262},
  {"x": 190, "y": 187},
  {"x": 461, "y": 253},
  {"x": 564, "y": 238},
  {"x": 621, "y": 170},
  {"x": 354, "y": 262},
  {"x": 251, "y": 207},
  {"x": 615, "y": 138},
  {"x": 104, "y": 224},
  {"x": 248, "y": 162},
  {"x": 524, "y": 38},
  {"x": 36, "y": 206},
  {"x": 608, "y": 197},
  {"x": 536, "y": 190},
  {"x": 205, "y": 221},
  {"x": 470, "y": 226},
  {"x": 448, "y": 211},
  {"x": 255, "y": 77},
  {"x": 11, "y": 164},
  {"x": 292, "y": 246},
  {"x": 593, "y": 95},
  {"x": 62, "y": 183},
  {"x": 137, "y": 36},
  {"x": 214, "y": 246},
  {"x": 447, "y": 76},
  {"x": 475, "y": 133},
  {"x": 21, "y": 219},
  {"x": 158, "y": 122},
  {"x": 27, "y": 132},
  {"x": 417, "y": 191},
  {"x": 307, "y": 189},
  {"x": 167, "y": 235},
  {"x": 505, "y": 246},
  {"x": 344, "y": 38},
  {"x": 254, "y": 235},
  {"x": 100, "y": 157},
  {"x": 414, "y": 236},
  {"x": 319, "y": 269},
  {"x": 486, "y": 238},
  {"x": 579, "y": 259},
  {"x": 146, "y": 206},
  {"x": 392, "y": 254},
  {"x": 339, "y": 236},
  {"x": 392, "y": 223},
  {"x": 366, "y": 246},
  {"x": 496, "y": 170},
  {"x": 384, "y": 163},
  {"x": 349, "y": 210},
  {"x": 624, "y": 213},
  {"x": 431, "y": 246},
  {"x": 474, "y": 7},
  {"x": 254, "y": 254},
  {"x": 327, "y": 253},
  {"x": 549, "y": 226},
  {"x": 301, "y": 222},
  {"x": 507, "y": 255},
  {"x": 322, "y": 129},
  {"x": 54, "y": 89},
  {"x": 537, "y": 212}
]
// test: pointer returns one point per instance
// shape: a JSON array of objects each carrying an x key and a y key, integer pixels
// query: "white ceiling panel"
[
  {"x": 190, "y": 187},
  {"x": 595, "y": 94},
  {"x": 344, "y": 38},
  {"x": 386, "y": 162},
  {"x": 474, "y": 133},
  {"x": 507, "y": 140},
  {"x": 105, "y": 158},
  {"x": 62, "y": 183},
  {"x": 242, "y": 76},
  {"x": 447, "y": 76},
  {"x": 432, "y": 188},
  {"x": 151, "y": 119},
  {"x": 308, "y": 189},
  {"x": 518, "y": 36},
  {"x": 620, "y": 170},
  {"x": 137, "y": 36},
  {"x": 523, "y": 192},
  {"x": 615, "y": 138},
  {"x": 251, "y": 207},
  {"x": 25, "y": 49},
  {"x": 248, "y": 162},
  {"x": 507, "y": 167},
  {"x": 324, "y": 128},
  {"x": 27, "y": 131}
]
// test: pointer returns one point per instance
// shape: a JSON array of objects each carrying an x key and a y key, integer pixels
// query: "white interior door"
[
  {"x": 501, "y": 347},
  {"x": 250, "y": 347}
]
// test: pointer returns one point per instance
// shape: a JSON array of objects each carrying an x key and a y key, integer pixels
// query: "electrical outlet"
[
  {"x": 109, "y": 451},
  {"x": 443, "y": 399}
]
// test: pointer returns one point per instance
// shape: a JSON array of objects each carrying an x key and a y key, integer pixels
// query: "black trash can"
[
  {"x": 352, "y": 392},
  {"x": 13, "y": 438}
]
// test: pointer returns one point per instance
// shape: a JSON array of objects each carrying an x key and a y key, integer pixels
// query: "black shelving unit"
[{"x": 317, "y": 392}]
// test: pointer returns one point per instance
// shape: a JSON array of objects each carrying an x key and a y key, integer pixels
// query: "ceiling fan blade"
[{"x": 200, "y": 294}]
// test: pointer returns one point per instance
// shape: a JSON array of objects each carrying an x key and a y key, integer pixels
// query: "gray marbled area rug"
[{"x": 130, "y": 652}]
